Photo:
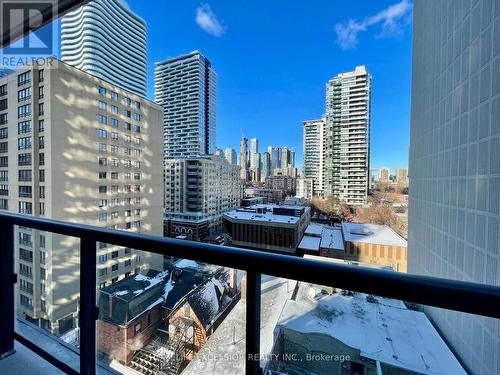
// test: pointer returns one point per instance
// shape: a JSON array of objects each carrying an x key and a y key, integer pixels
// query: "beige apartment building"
[{"x": 73, "y": 147}]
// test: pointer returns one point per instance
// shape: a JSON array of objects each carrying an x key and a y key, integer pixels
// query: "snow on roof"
[
  {"x": 331, "y": 238},
  {"x": 310, "y": 243},
  {"x": 397, "y": 336},
  {"x": 197, "y": 266},
  {"x": 314, "y": 229},
  {"x": 319, "y": 236},
  {"x": 372, "y": 233},
  {"x": 262, "y": 217},
  {"x": 346, "y": 262}
]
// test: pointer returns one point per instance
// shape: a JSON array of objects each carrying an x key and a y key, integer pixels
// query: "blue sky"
[{"x": 273, "y": 58}]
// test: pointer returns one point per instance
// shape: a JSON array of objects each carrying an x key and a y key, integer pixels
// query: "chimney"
[
  {"x": 244, "y": 288},
  {"x": 233, "y": 280}
]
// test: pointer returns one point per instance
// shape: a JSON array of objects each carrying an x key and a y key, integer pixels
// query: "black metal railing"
[{"x": 449, "y": 294}]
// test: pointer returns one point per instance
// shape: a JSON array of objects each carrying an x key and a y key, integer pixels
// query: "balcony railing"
[{"x": 449, "y": 294}]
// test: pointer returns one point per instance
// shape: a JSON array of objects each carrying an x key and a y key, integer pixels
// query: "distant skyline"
[{"x": 273, "y": 60}]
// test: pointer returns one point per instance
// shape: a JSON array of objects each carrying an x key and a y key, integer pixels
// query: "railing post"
[
  {"x": 7, "y": 280},
  {"x": 252, "y": 348},
  {"x": 88, "y": 309}
]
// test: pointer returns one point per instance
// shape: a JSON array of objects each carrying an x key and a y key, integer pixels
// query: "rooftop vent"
[{"x": 360, "y": 231}]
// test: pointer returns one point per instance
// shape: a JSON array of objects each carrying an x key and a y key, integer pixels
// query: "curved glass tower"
[{"x": 106, "y": 39}]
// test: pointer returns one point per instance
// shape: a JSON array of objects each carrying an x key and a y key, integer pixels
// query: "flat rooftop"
[
  {"x": 264, "y": 213},
  {"x": 382, "y": 329},
  {"x": 372, "y": 233},
  {"x": 319, "y": 236}
]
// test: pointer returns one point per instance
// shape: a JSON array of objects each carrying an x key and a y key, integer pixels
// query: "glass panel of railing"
[
  {"x": 47, "y": 292},
  {"x": 164, "y": 315},
  {"x": 324, "y": 330}
]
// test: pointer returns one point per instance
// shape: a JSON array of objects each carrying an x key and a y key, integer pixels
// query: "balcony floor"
[{"x": 26, "y": 362}]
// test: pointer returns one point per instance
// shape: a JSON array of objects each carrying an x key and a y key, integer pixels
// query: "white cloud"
[
  {"x": 208, "y": 21},
  {"x": 392, "y": 20}
]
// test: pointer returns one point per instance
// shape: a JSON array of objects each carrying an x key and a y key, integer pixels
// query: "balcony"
[{"x": 21, "y": 342}]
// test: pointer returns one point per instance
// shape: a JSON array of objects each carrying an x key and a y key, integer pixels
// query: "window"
[
  {"x": 103, "y": 216},
  {"x": 41, "y": 125},
  {"x": 127, "y": 113},
  {"x": 103, "y": 202},
  {"x": 128, "y": 213},
  {"x": 42, "y": 208},
  {"x": 102, "y": 147},
  {"x": 137, "y": 140},
  {"x": 137, "y": 164},
  {"x": 114, "y": 188},
  {"x": 127, "y": 163},
  {"x": 115, "y": 162},
  {"x": 137, "y": 224},
  {"x": 4, "y": 147},
  {"x": 137, "y": 212},
  {"x": 102, "y": 105},
  {"x": 114, "y": 175},
  {"x": 3, "y": 104},
  {"x": 102, "y": 175},
  {"x": 3, "y": 118},
  {"x": 114, "y": 109},
  {"x": 114, "y": 280},
  {"x": 25, "y": 208},
  {"x": 137, "y": 328},
  {"x": 41, "y": 190},
  {"x": 102, "y": 119},
  {"x": 41, "y": 110},
  {"x": 127, "y": 176},
  {"x": 41, "y": 75},
  {"x": 4, "y": 161},
  {"x": 103, "y": 189},
  {"x": 4, "y": 133},
  {"x": 137, "y": 117},
  {"x": 103, "y": 258},
  {"x": 24, "y": 78},
  {"x": 24, "y": 94},
  {"x": 24, "y": 143},
  {"x": 137, "y": 176},
  {"x": 114, "y": 149},
  {"x": 127, "y": 151},
  {"x": 137, "y": 105},
  {"x": 137, "y": 188},
  {"x": 41, "y": 142},
  {"x": 102, "y": 91},
  {"x": 24, "y": 111},
  {"x": 101, "y": 133},
  {"x": 103, "y": 161},
  {"x": 42, "y": 240},
  {"x": 114, "y": 95},
  {"x": 114, "y": 254},
  {"x": 127, "y": 139},
  {"x": 24, "y": 127},
  {"x": 4, "y": 204},
  {"x": 25, "y": 192},
  {"x": 4, "y": 176},
  {"x": 41, "y": 92},
  {"x": 26, "y": 301},
  {"x": 126, "y": 101},
  {"x": 24, "y": 175},
  {"x": 41, "y": 175},
  {"x": 114, "y": 136},
  {"x": 127, "y": 250},
  {"x": 103, "y": 272},
  {"x": 137, "y": 128},
  {"x": 41, "y": 158},
  {"x": 115, "y": 123},
  {"x": 3, "y": 90},
  {"x": 114, "y": 267},
  {"x": 127, "y": 126},
  {"x": 128, "y": 263},
  {"x": 4, "y": 189},
  {"x": 23, "y": 159}
]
